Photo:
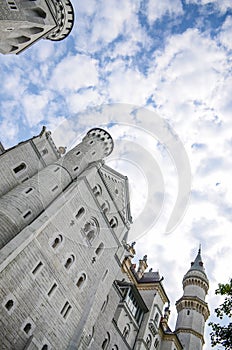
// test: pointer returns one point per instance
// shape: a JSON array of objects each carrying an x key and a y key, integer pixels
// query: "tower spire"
[{"x": 191, "y": 307}]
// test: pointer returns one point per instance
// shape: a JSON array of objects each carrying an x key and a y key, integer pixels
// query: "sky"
[{"x": 161, "y": 73}]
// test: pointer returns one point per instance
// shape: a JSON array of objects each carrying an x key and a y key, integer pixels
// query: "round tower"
[
  {"x": 20, "y": 206},
  {"x": 64, "y": 14},
  {"x": 191, "y": 307}
]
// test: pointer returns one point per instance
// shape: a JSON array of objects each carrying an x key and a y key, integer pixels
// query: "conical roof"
[{"x": 196, "y": 267}]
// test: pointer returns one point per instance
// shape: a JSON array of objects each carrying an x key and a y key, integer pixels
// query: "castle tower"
[
  {"x": 30, "y": 198},
  {"x": 22, "y": 23},
  {"x": 191, "y": 307}
]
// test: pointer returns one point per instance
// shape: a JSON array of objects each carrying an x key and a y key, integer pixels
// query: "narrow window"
[
  {"x": 188, "y": 312},
  {"x": 52, "y": 289},
  {"x": 76, "y": 168},
  {"x": 126, "y": 331},
  {"x": 69, "y": 262},
  {"x": 106, "y": 342},
  {"x": 65, "y": 311},
  {"x": 25, "y": 179},
  {"x": 27, "y": 214},
  {"x": 27, "y": 328},
  {"x": 99, "y": 249},
  {"x": 54, "y": 188},
  {"x": 57, "y": 241},
  {"x": 114, "y": 222},
  {"x": 80, "y": 213},
  {"x": 21, "y": 167},
  {"x": 93, "y": 153},
  {"x": 81, "y": 280},
  {"x": 9, "y": 305},
  {"x": 78, "y": 153},
  {"x": 28, "y": 190},
  {"x": 37, "y": 268},
  {"x": 105, "y": 274},
  {"x": 56, "y": 169}
]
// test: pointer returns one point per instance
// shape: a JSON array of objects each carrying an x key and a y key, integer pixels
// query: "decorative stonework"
[{"x": 64, "y": 15}]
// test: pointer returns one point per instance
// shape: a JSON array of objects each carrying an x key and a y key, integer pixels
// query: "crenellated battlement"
[
  {"x": 64, "y": 14},
  {"x": 21, "y": 205}
]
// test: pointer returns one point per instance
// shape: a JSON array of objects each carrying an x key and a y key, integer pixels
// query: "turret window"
[
  {"x": 148, "y": 341},
  {"x": 156, "y": 344},
  {"x": 97, "y": 190},
  {"x": 69, "y": 262},
  {"x": 9, "y": 304},
  {"x": 66, "y": 309},
  {"x": 12, "y": 5},
  {"x": 57, "y": 242},
  {"x": 81, "y": 280},
  {"x": 37, "y": 268},
  {"x": 91, "y": 230},
  {"x": 100, "y": 248},
  {"x": 80, "y": 213},
  {"x": 126, "y": 331},
  {"x": 27, "y": 328},
  {"x": 106, "y": 342},
  {"x": 114, "y": 222},
  {"x": 44, "y": 152},
  {"x": 20, "y": 168}
]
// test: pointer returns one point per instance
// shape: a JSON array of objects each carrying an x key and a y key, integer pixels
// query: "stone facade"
[
  {"x": 22, "y": 23},
  {"x": 67, "y": 277}
]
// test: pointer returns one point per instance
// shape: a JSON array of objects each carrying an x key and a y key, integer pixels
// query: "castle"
[
  {"x": 68, "y": 280},
  {"x": 24, "y": 22}
]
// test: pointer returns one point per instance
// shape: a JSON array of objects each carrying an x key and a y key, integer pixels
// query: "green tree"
[{"x": 222, "y": 334}]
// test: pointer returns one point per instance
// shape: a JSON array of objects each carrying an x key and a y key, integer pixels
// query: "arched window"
[
  {"x": 91, "y": 229},
  {"x": 114, "y": 222},
  {"x": 44, "y": 347},
  {"x": 106, "y": 342},
  {"x": 156, "y": 344},
  {"x": 105, "y": 207},
  {"x": 57, "y": 241},
  {"x": 81, "y": 280},
  {"x": 100, "y": 248},
  {"x": 148, "y": 341},
  {"x": 69, "y": 262},
  {"x": 115, "y": 347},
  {"x": 80, "y": 213},
  {"x": 97, "y": 190},
  {"x": 126, "y": 331}
]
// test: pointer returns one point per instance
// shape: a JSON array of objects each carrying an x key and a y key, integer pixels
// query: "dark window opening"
[
  {"x": 9, "y": 304},
  {"x": 27, "y": 328},
  {"x": 80, "y": 213},
  {"x": 52, "y": 289},
  {"x": 37, "y": 268},
  {"x": 19, "y": 168}
]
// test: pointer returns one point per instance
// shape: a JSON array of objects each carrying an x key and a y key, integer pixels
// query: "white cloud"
[
  {"x": 73, "y": 73},
  {"x": 157, "y": 9}
]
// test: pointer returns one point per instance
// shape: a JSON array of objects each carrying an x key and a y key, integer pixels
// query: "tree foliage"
[{"x": 222, "y": 334}]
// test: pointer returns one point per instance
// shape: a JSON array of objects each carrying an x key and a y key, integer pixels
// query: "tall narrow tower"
[
  {"x": 22, "y": 23},
  {"x": 191, "y": 307}
]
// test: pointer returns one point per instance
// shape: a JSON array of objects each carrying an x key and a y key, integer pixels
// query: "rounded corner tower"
[
  {"x": 64, "y": 14},
  {"x": 191, "y": 307}
]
